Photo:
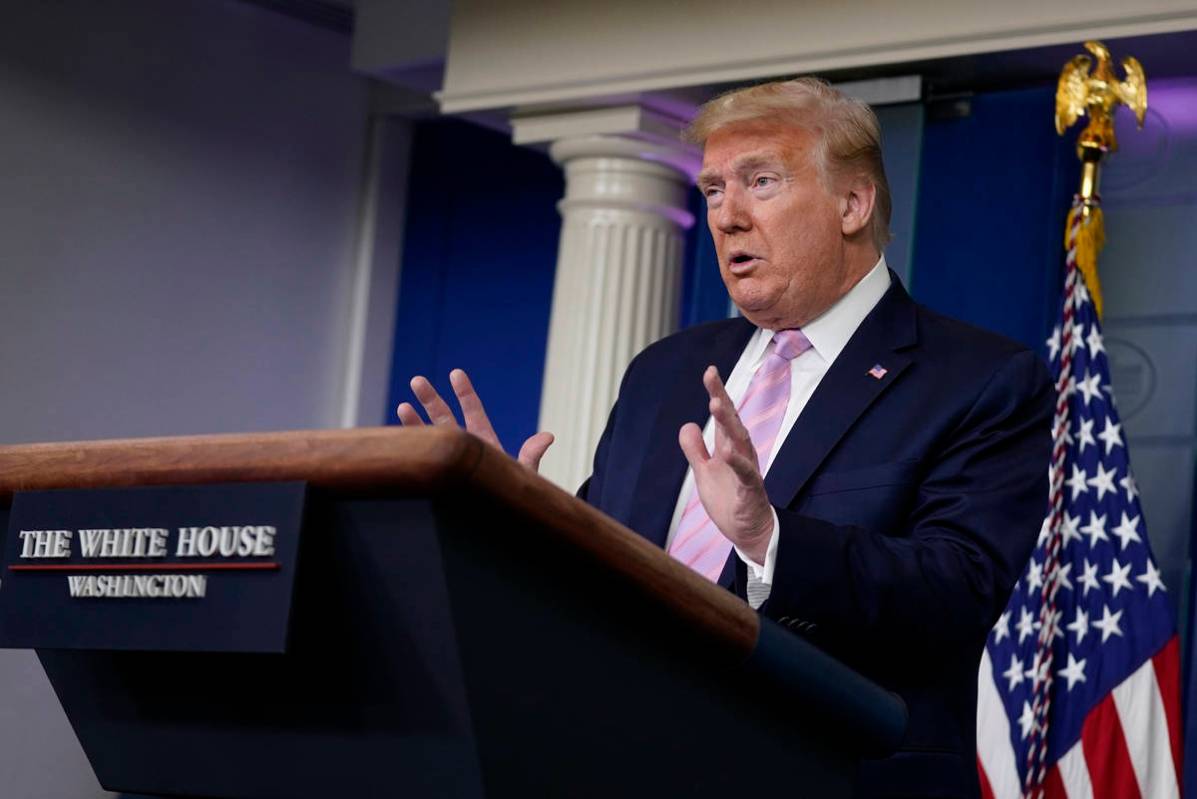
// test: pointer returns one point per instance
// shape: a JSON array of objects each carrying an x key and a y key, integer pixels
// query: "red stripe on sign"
[
  {"x": 159, "y": 567},
  {"x": 986, "y": 790},
  {"x": 1110, "y": 769},
  {"x": 1167, "y": 675},
  {"x": 1053, "y": 785}
]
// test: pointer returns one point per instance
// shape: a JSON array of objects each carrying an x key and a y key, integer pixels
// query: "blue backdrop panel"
[
  {"x": 480, "y": 248},
  {"x": 704, "y": 297},
  {"x": 989, "y": 228}
]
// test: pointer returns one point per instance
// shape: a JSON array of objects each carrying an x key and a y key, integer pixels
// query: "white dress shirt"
[{"x": 828, "y": 335}]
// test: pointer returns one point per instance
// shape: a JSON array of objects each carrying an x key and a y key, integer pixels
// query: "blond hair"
[{"x": 849, "y": 136}]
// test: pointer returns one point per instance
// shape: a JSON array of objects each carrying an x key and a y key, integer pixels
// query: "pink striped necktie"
[{"x": 698, "y": 542}]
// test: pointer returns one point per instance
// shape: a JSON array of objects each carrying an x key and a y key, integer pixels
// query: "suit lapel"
[
  {"x": 845, "y": 392},
  {"x": 686, "y": 400}
]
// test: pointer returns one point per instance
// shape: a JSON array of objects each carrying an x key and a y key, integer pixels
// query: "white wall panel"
[{"x": 517, "y": 52}]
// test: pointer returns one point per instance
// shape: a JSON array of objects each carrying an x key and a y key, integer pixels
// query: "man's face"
[{"x": 778, "y": 231}]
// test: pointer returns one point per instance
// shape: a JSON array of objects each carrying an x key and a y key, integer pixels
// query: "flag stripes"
[
  {"x": 1074, "y": 774},
  {"x": 1105, "y": 763},
  {"x": 1139, "y": 702},
  {"x": 1104, "y": 743},
  {"x": 994, "y": 756},
  {"x": 1167, "y": 676}
]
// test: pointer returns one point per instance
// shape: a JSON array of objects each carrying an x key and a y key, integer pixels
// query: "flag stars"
[
  {"x": 1066, "y": 434},
  {"x": 1132, "y": 488},
  {"x": 1084, "y": 433},
  {"x": 1074, "y": 672},
  {"x": 1060, "y": 578},
  {"x": 1127, "y": 531},
  {"x": 1002, "y": 628},
  {"x": 1111, "y": 436},
  {"x": 1069, "y": 389},
  {"x": 1053, "y": 344},
  {"x": 1052, "y": 630},
  {"x": 1095, "y": 342},
  {"x": 1095, "y": 529},
  {"x": 1026, "y": 624},
  {"x": 1034, "y": 576},
  {"x": 1070, "y": 529},
  {"x": 1081, "y": 296},
  {"x": 1044, "y": 531},
  {"x": 1077, "y": 336},
  {"x": 1108, "y": 623},
  {"x": 1151, "y": 579},
  {"x": 1014, "y": 673},
  {"x": 1079, "y": 625},
  {"x": 1089, "y": 387},
  {"x": 1103, "y": 481},
  {"x": 1088, "y": 578},
  {"x": 1117, "y": 578},
  {"x": 1026, "y": 721},
  {"x": 1038, "y": 671},
  {"x": 1078, "y": 481}
]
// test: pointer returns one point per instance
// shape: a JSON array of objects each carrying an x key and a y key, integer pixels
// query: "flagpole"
[{"x": 1096, "y": 94}]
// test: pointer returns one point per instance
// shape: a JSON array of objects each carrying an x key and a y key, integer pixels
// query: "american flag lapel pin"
[{"x": 878, "y": 371}]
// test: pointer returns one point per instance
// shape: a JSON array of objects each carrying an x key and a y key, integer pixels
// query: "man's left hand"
[{"x": 728, "y": 480}]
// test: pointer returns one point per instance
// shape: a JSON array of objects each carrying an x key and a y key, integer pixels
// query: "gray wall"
[
  {"x": 179, "y": 189},
  {"x": 179, "y": 185},
  {"x": 1150, "y": 287}
]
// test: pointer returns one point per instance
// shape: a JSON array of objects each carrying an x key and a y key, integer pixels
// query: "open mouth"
[{"x": 742, "y": 262}]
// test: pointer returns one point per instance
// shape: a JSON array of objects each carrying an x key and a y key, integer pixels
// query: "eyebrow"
[{"x": 741, "y": 164}]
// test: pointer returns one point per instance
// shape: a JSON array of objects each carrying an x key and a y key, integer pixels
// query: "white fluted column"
[{"x": 618, "y": 283}]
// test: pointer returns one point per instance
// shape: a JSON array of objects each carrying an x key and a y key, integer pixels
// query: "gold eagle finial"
[{"x": 1097, "y": 94}]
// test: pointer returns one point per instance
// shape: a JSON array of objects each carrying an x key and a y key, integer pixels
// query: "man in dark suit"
[{"x": 871, "y": 474}]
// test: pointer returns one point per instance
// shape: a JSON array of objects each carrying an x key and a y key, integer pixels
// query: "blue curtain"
[
  {"x": 479, "y": 252},
  {"x": 994, "y": 190}
]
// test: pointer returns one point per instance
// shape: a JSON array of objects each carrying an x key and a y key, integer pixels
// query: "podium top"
[
  {"x": 435, "y": 461},
  {"x": 399, "y": 461}
]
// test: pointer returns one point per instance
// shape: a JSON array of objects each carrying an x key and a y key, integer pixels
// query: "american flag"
[{"x": 1078, "y": 690}]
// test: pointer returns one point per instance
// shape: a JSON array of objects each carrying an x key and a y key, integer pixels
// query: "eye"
[
  {"x": 763, "y": 181},
  {"x": 713, "y": 194}
]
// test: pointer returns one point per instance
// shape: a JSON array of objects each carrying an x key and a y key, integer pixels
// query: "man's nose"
[{"x": 732, "y": 215}]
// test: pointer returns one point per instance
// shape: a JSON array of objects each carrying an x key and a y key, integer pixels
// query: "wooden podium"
[{"x": 459, "y": 628}]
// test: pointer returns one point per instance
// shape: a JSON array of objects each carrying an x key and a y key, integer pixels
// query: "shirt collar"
[{"x": 829, "y": 333}]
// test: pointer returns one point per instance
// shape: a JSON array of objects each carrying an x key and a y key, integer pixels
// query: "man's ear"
[{"x": 856, "y": 205}]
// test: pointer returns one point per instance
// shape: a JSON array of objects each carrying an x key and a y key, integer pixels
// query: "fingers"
[
  {"x": 408, "y": 415},
  {"x": 533, "y": 450},
  {"x": 436, "y": 408},
  {"x": 728, "y": 427},
  {"x": 745, "y": 467},
  {"x": 714, "y": 384},
  {"x": 476, "y": 420},
  {"x": 693, "y": 447}
]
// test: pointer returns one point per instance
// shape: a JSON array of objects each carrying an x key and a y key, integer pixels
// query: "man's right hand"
[{"x": 476, "y": 420}]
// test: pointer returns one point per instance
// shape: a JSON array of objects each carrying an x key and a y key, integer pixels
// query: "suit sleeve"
[
  {"x": 944, "y": 571},
  {"x": 591, "y": 489}
]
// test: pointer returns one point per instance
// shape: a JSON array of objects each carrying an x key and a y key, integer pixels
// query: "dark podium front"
[{"x": 458, "y": 628}]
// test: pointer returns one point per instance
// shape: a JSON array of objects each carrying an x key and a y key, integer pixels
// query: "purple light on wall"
[{"x": 1176, "y": 101}]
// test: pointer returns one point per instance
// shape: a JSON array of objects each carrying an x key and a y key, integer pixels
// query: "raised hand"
[
  {"x": 476, "y": 420},
  {"x": 728, "y": 479}
]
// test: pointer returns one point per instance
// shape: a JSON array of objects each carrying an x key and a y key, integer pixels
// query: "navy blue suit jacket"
[{"x": 907, "y": 506}]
